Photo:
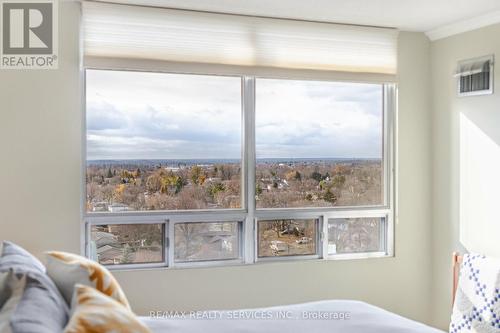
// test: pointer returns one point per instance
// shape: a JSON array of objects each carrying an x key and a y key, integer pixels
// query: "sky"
[{"x": 137, "y": 115}]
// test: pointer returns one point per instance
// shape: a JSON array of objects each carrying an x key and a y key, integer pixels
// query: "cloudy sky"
[{"x": 132, "y": 115}]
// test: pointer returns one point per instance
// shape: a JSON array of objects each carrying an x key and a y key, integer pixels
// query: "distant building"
[
  {"x": 214, "y": 180},
  {"x": 105, "y": 247},
  {"x": 173, "y": 169},
  {"x": 100, "y": 207},
  {"x": 115, "y": 208}
]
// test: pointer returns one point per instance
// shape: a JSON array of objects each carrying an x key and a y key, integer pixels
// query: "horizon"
[
  {"x": 238, "y": 159},
  {"x": 213, "y": 161}
]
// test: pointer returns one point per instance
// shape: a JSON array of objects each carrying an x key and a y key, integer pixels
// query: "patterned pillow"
[
  {"x": 477, "y": 302},
  {"x": 67, "y": 269},
  {"x": 95, "y": 312}
]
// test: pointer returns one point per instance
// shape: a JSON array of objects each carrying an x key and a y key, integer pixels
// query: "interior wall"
[
  {"x": 40, "y": 145},
  {"x": 466, "y": 162},
  {"x": 40, "y": 177}
]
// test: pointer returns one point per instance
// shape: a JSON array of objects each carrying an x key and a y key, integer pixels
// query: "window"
[
  {"x": 287, "y": 237},
  {"x": 195, "y": 170},
  {"x": 319, "y": 144},
  {"x": 207, "y": 241},
  {"x": 117, "y": 244},
  {"x": 355, "y": 235},
  {"x": 162, "y": 141}
]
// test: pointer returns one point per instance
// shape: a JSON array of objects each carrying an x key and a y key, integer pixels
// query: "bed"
[
  {"x": 331, "y": 316},
  {"x": 345, "y": 316}
]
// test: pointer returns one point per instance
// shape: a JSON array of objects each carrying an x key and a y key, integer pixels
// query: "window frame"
[
  {"x": 318, "y": 221},
  {"x": 248, "y": 215},
  {"x": 208, "y": 262}
]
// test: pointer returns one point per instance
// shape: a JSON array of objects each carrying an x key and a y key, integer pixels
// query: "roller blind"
[{"x": 135, "y": 32}]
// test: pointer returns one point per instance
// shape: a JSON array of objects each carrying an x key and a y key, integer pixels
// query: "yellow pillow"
[
  {"x": 67, "y": 270},
  {"x": 97, "y": 313}
]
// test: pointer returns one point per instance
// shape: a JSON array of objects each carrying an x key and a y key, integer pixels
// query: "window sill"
[{"x": 239, "y": 263}]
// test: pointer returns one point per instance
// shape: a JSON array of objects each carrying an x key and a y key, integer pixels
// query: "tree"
[
  {"x": 317, "y": 176},
  {"x": 170, "y": 183},
  {"x": 258, "y": 189},
  {"x": 216, "y": 188},
  {"x": 278, "y": 226},
  {"x": 92, "y": 190},
  {"x": 338, "y": 181},
  {"x": 126, "y": 254},
  {"x": 329, "y": 196},
  {"x": 293, "y": 175},
  {"x": 197, "y": 175},
  {"x": 110, "y": 174},
  {"x": 187, "y": 230},
  {"x": 118, "y": 193}
]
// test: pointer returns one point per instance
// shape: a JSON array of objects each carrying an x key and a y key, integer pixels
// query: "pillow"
[
  {"x": 477, "y": 301},
  {"x": 16, "y": 258},
  {"x": 15, "y": 285},
  {"x": 34, "y": 305},
  {"x": 67, "y": 269},
  {"x": 4, "y": 291},
  {"x": 95, "y": 312}
]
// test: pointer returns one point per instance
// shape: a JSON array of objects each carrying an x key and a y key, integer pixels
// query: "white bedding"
[{"x": 358, "y": 317}]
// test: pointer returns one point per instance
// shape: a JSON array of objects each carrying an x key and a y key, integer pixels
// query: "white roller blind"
[{"x": 134, "y": 32}]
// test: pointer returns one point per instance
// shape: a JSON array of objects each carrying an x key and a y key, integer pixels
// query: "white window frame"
[{"x": 248, "y": 215}]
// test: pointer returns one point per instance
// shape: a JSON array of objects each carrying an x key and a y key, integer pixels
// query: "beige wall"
[
  {"x": 40, "y": 141},
  {"x": 466, "y": 162},
  {"x": 40, "y": 145}
]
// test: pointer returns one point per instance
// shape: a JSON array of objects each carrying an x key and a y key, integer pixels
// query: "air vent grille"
[{"x": 475, "y": 76}]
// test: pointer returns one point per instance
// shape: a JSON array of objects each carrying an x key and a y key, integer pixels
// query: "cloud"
[
  {"x": 318, "y": 119},
  {"x": 149, "y": 115},
  {"x": 104, "y": 116}
]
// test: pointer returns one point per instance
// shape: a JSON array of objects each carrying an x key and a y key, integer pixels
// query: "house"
[{"x": 117, "y": 207}]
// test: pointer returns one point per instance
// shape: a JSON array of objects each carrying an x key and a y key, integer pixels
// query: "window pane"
[
  {"x": 287, "y": 237},
  {"x": 319, "y": 144},
  {"x": 207, "y": 241},
  {"x": 354, "y": 235},
  {"x": 115, "y": 244},
  {"x": 162, "y": 141}
]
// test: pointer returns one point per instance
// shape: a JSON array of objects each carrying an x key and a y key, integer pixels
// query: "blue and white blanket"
[{"x": 477, "y": 302}]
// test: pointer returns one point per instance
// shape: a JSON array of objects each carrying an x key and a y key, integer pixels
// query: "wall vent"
[{"x": 475, "y": 76}]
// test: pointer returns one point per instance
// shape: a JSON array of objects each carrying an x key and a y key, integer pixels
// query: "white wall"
[
  {"x": 466, "y": 162},
  {"x": 40, "y": 141}
]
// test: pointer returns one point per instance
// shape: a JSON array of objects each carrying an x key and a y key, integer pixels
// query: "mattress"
[{"x": 324, "y": 316}]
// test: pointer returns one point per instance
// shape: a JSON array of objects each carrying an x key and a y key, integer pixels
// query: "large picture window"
[{"x": 191, "y": 169}]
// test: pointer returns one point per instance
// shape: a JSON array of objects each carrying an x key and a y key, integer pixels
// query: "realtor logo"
[{"x": 29, "y": 34}]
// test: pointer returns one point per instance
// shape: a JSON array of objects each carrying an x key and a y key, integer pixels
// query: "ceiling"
[{"x": 409, "y": 15}]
